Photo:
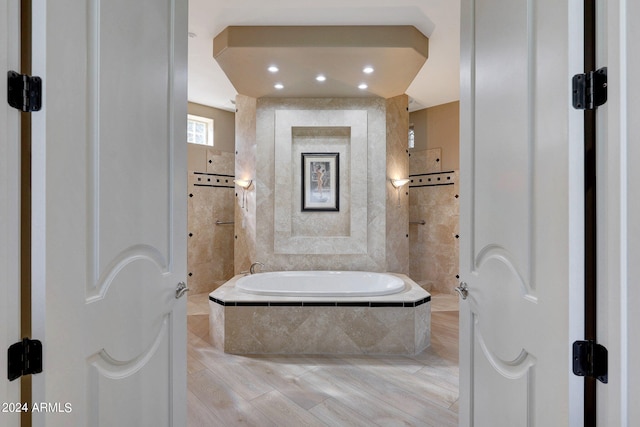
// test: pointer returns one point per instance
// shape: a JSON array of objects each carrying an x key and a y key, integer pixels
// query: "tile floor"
[{"x": 347, "y": 390}]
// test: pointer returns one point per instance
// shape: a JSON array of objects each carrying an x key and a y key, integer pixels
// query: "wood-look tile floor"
[{"x": 231, "y": 390}]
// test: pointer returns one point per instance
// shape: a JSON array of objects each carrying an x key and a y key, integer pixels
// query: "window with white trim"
[{"x": 199, "y": 130}]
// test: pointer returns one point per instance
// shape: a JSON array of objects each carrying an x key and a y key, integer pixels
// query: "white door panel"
[
  {"x": 516, "y": 239},
  {"x": 9, "y": 210},
  {"x": 619, "y": 212},
  {"x": 631, "y": 211},
  {"x": 110, "y": 206}
]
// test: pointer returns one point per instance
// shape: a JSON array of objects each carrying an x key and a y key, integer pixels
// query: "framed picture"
[{"x": 320, "y": 186}]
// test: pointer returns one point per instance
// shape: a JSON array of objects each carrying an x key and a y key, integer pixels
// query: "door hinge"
[
  {"x": 590, "y": 360},
  {"x": 24, "y": 92},
  {"x": 590, "y": 89},
  {"x": 24, "y": 358}
]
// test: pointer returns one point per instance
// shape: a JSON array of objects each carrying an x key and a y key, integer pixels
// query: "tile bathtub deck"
[{"x": 230, "y": 390}]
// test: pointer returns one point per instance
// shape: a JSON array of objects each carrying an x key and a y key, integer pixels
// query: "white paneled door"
[
  {"x": 520, "y": 244},
  {"x": 619, "y": 213},
  {"x": 109, "y": 212},
  {"x": 9, "y": 212}
]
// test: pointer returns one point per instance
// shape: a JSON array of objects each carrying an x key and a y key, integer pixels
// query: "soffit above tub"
[{"x": 340, "y": 53}]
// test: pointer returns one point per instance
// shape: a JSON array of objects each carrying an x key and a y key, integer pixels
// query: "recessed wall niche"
[{"x": 317, "y": 131}]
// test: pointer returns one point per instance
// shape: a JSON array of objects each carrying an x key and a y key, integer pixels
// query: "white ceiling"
[{"x": 436, "y": 83}]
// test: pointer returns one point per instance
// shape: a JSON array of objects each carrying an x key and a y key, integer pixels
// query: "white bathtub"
[
  {"x": 321, "y": 284},
  {"x": 320, "y": 312}
]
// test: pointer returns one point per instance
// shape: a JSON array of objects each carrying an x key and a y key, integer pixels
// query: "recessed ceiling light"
[
  {"x": 321, "y": 78},
  {"x": 362, "y": 86},
  {"x": 272, "y": 69},
  {"x": 367, "y": 70},
  {"x": 278, "y": 86}
]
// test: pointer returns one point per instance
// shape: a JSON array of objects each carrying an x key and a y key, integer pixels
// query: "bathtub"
[
  {"x": 320, "y": 312},
  {"x": 325, "y": 284}
]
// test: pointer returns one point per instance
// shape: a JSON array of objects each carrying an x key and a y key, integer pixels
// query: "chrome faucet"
[{"x": 252, "y": 269}]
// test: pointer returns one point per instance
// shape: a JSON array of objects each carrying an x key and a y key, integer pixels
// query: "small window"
[
  {"x": 199, "y": 130},
  {"x": 411, "y": 136}
]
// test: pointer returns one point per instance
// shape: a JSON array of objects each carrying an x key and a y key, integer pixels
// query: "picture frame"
[{"x": 320, "y": 182}]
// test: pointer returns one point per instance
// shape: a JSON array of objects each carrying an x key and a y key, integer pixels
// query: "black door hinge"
[
  {"x": 590, "y": 89},
  {"x": 24, "y": 92},
  {"x": 590, "y": 360},
  {"x": 24, "y": 358}
]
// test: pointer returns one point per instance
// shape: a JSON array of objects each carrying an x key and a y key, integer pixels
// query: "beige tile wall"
[
  {"x": 434, "y": 246},
  {"x": 320, "y": 330},
  {"x": 397, "y": 243},
  {"x": 245, "y": 168},
  {"x": 370, "y": 231},
  {"x": 210, "y": 246}
]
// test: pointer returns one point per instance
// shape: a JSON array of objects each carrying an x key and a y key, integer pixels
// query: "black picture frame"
[{"x": 320, "y": 182}]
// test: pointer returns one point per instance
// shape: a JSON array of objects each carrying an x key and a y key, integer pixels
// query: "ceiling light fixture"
[
  {"x": 273, "y": 69},
  {"x": 367, "y": 70},
  {"x": 362, "y": 86},
  {"x": 321, "y": 78},
  {"x": 278, "y": 86}
]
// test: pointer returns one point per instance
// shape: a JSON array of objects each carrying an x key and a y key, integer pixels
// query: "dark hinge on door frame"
[
  {"x": 590, "y": 89},
  {"x": 24, "y": 92},
  {"x": 590, "y": 360},
  {"x": 589, "y": 92},
  {"x": 24, "y": 358}
]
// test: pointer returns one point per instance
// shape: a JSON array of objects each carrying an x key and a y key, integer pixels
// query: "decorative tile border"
[
  {"x": 432, "y": 179},
  {"x": 203, "y": 179},
  {"x": 320, "y": 303}
]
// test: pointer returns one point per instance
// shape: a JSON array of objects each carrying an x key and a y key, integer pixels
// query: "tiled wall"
[
  {"x": 274, "y": 231},
  {"x": 397, "y": 243},
  {"x": 298, "y": 131},
  {"x": 210, "y": 245},
  {"x": 434, "y": 199},
  {"x": 245, "y": 168}
]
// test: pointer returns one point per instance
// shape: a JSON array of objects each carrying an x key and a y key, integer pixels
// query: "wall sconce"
[
  {"x": 244, "y": 184},
  {"x": 397, "y": 184}
]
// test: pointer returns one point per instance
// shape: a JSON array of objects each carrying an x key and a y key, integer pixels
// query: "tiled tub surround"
[{"x": 243, "y": 323}]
